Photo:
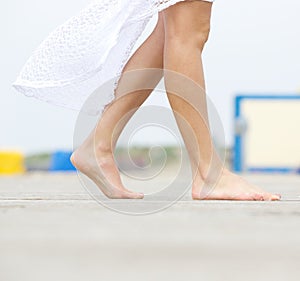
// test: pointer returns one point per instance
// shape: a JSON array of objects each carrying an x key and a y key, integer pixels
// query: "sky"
[{"x": 253, "y": 48}]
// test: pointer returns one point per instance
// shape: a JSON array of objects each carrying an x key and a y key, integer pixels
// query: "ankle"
[
  {"x": 103, "y": 148},
  {"x": 210, "y": 175}
]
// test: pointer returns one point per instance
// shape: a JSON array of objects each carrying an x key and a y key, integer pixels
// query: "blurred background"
[{"x": 252, "y": 67}]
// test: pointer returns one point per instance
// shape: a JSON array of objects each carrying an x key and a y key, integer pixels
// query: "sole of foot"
[{"x": 101, "y": 172}]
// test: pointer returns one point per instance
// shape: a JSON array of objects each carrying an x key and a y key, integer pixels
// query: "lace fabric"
[{"x": 86, "y": 51}]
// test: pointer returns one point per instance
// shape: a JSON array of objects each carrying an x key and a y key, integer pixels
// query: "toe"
[
  {"x": 258, "y": 197},
  {"x": 132, "y": 195},
  {"x": 138, "y": 196},
  {"x": 275, "y": 197},
  {"x": 271, "y": 197}
]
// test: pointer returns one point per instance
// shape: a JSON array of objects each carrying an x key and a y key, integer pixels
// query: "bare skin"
[
  {"x": 94, "y": 157},
  {"x": 176, "y": 44},
  {"x": 186, "y": 31}
]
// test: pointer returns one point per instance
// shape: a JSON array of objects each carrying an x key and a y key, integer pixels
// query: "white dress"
[{"x": 86, "y": 51}]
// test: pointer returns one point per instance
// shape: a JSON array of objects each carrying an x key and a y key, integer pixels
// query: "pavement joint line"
[{"x": 89, "y": 198}]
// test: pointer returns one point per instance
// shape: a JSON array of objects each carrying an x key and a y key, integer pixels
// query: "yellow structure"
[{"x": 11, "y": 163}]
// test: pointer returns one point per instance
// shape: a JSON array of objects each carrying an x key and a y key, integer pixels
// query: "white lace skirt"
[{"x": 86, "y": 51}]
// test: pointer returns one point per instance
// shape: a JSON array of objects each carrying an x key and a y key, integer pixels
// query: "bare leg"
[
  {"x": 186, "y": 31},
  {"x": 94, "y": 157}
]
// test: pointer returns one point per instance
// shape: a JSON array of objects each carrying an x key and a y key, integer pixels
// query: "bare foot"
[
  {"x": 100, "y": 167},
  {"x": 230, "y": 187}
]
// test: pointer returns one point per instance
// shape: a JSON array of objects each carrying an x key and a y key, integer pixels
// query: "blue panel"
[
  {"x": 60, "y": 161},
  {"x": 268, "y": 97},
  {"x": 272, "y": 169},
  {"x": 238, "y": 161},
  {"x": 237, "y": 158}
]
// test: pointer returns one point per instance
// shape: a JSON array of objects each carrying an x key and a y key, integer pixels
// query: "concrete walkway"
[{"x": 51, "y": 229}]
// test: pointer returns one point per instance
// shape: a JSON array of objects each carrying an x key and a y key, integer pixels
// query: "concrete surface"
[{"x": 51, "y": 229}]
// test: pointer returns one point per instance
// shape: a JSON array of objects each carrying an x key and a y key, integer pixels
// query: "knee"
[
  {"x": 201, "y": 37},
  {"x": 189, "y": 37},
  {"x": 204, "y": 35}
]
